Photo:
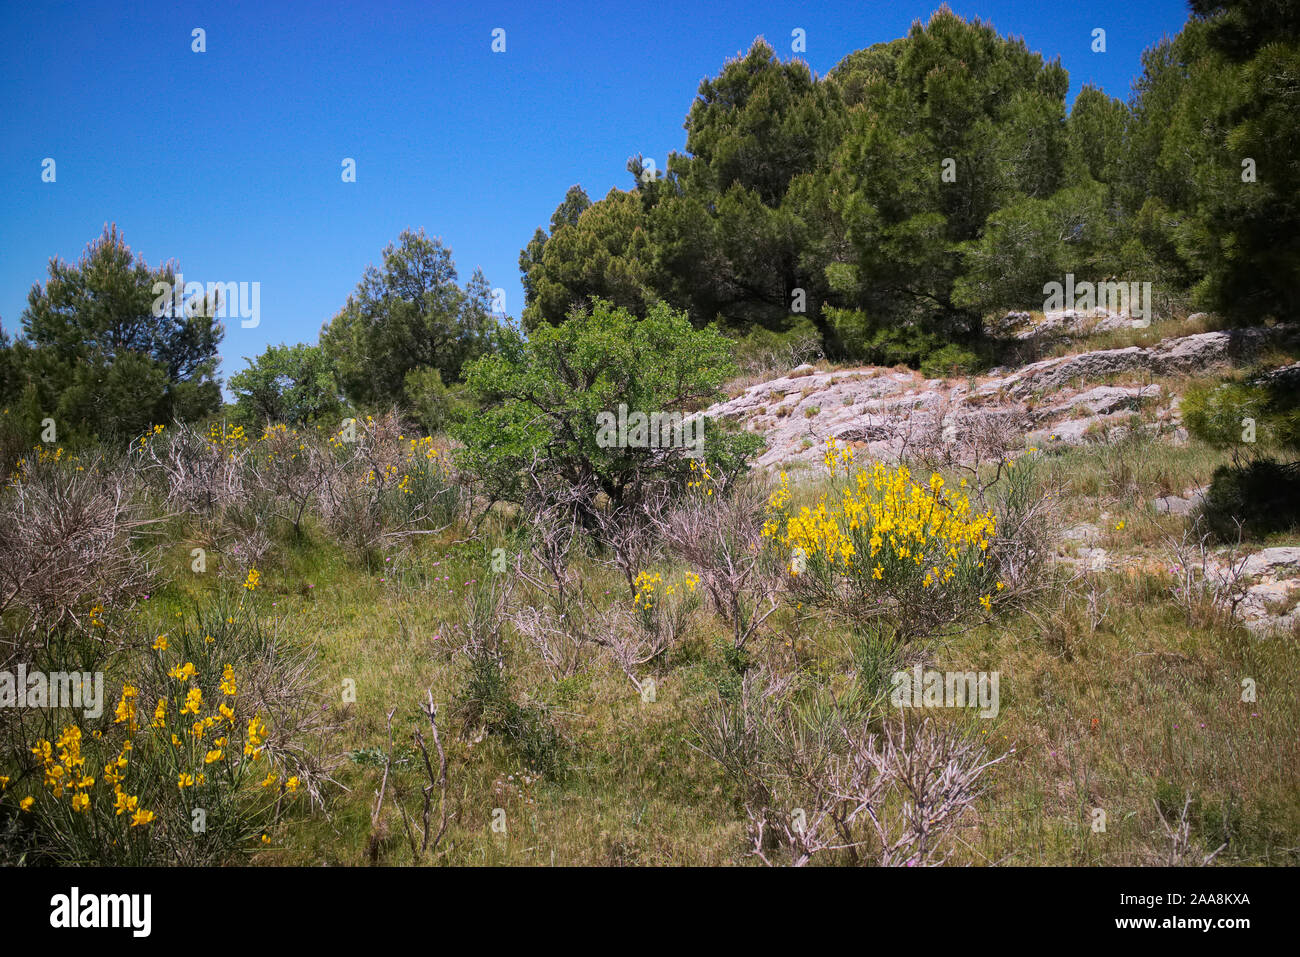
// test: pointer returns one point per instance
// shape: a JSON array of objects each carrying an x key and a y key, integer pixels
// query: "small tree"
[
  {"x": 407, "y": 315},
  {"x": 292, "y": 385},
  {"x": 104, "y": 354},
  {"x": 548, "y": 401}
]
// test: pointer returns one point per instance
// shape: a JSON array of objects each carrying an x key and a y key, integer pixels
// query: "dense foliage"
[
  {"x": 102, "y": 354},
  {"x": 541, "y": 399},
  {"x": 408, "y": 315},
  {"x": 927, "y": 181}
]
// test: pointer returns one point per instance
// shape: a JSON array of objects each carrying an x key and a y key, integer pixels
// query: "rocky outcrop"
[
  {"x": 1171, "y": 356},
  {"x": 1271, "y": 579},
  {"x": 890, "y": 412},
  {"x": 1062, "y": 324}
]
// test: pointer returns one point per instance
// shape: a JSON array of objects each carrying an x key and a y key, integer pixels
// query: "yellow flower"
[
  {"x": 193, "y": 701},
  {"x": 80, "y": 802},
  {"x": 160, "y": 714},
  {"x": 160, "y": 643},
  {"x": 253, "y": 580},
  {"x": 26, "y": 803},
  {"x": 228, "y": 681},
  {"x": 214, "y": 755},
  {"x": 182, "y": 672},
  {"x": 291, "y": 785},
  {"x": 256, "y": 732},
  {"x": 125, "y": 802},
  {"x": 185, "y": 781},
  {"x": 141, "y": 817},
  {"x": 125, "y": 710},
  {"x": 270, "y": 779},
  {"x": 227, "y": 712},
  {"x": 987, "y": 602},
  {"x": 4, "y": 781}
]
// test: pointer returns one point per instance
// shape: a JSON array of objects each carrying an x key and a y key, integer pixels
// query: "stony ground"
[{"x": 1085, "y": 397}]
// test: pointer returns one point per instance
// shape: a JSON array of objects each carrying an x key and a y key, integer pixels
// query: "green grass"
[{"x": 1116, "y": 714}]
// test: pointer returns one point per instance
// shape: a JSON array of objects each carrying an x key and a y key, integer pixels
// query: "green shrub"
[
  {"x": 431, "y": 402},
  {"x": 543, "y": 399},
  {"x": 1215, "y": 415},
  {"x": 1255, "y": 500},
  {"x": 951, "y": 360}
]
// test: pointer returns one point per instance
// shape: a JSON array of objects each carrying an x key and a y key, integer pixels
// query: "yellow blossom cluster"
[
  {"x": 44, "y": 456},
  {"x": 156, "y": 430},
  {"x": 701, "y": 478},
  {"x": 878, "y": 524},
  {"x": 65, "y": 771},
  {"x": 421, "y": 460},
  {"x": 227, "y": 438},
  {"x": 648, "y": 584}
]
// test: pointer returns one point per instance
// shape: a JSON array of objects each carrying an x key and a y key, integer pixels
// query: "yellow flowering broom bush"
[
  {"x": 203, "y": 752},
  {"x": 881, "y": 546},
  {"x": 662, "y": 609},
  {"x": 183, "y": 779}
]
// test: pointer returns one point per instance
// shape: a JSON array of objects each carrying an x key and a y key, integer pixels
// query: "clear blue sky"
[{"x": 229, "y": 161}]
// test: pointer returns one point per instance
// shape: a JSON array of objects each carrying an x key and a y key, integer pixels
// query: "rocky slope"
[
  {"x": 1067, "y": 399},
  {"x": 896, "y": 413}
]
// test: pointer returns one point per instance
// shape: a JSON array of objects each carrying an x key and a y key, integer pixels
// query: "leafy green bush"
[
  {"x": 1216, "y": 415},
  {"x": 547, "y": 402},
  {"x": 291, "y": 385},
  {"x": 1261, "y": 497}
]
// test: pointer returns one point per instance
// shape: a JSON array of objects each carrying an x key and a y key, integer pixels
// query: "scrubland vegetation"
[{"x": 399, "y": 603}]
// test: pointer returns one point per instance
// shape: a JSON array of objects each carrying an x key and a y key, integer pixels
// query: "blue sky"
[{"x": 229, "y": 161}]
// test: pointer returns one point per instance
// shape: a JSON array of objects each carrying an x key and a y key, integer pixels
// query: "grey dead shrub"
[
  {"x": 720, "y": 537},
  {"x": 385, "y": 485},
  {"x": 819, "y": 783},
  {"x": 193, "y": 470},
  {"x": 890, "y": 799},
  {"x": 71, "y": 540},
  {"x": 560, "y": 615}
]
